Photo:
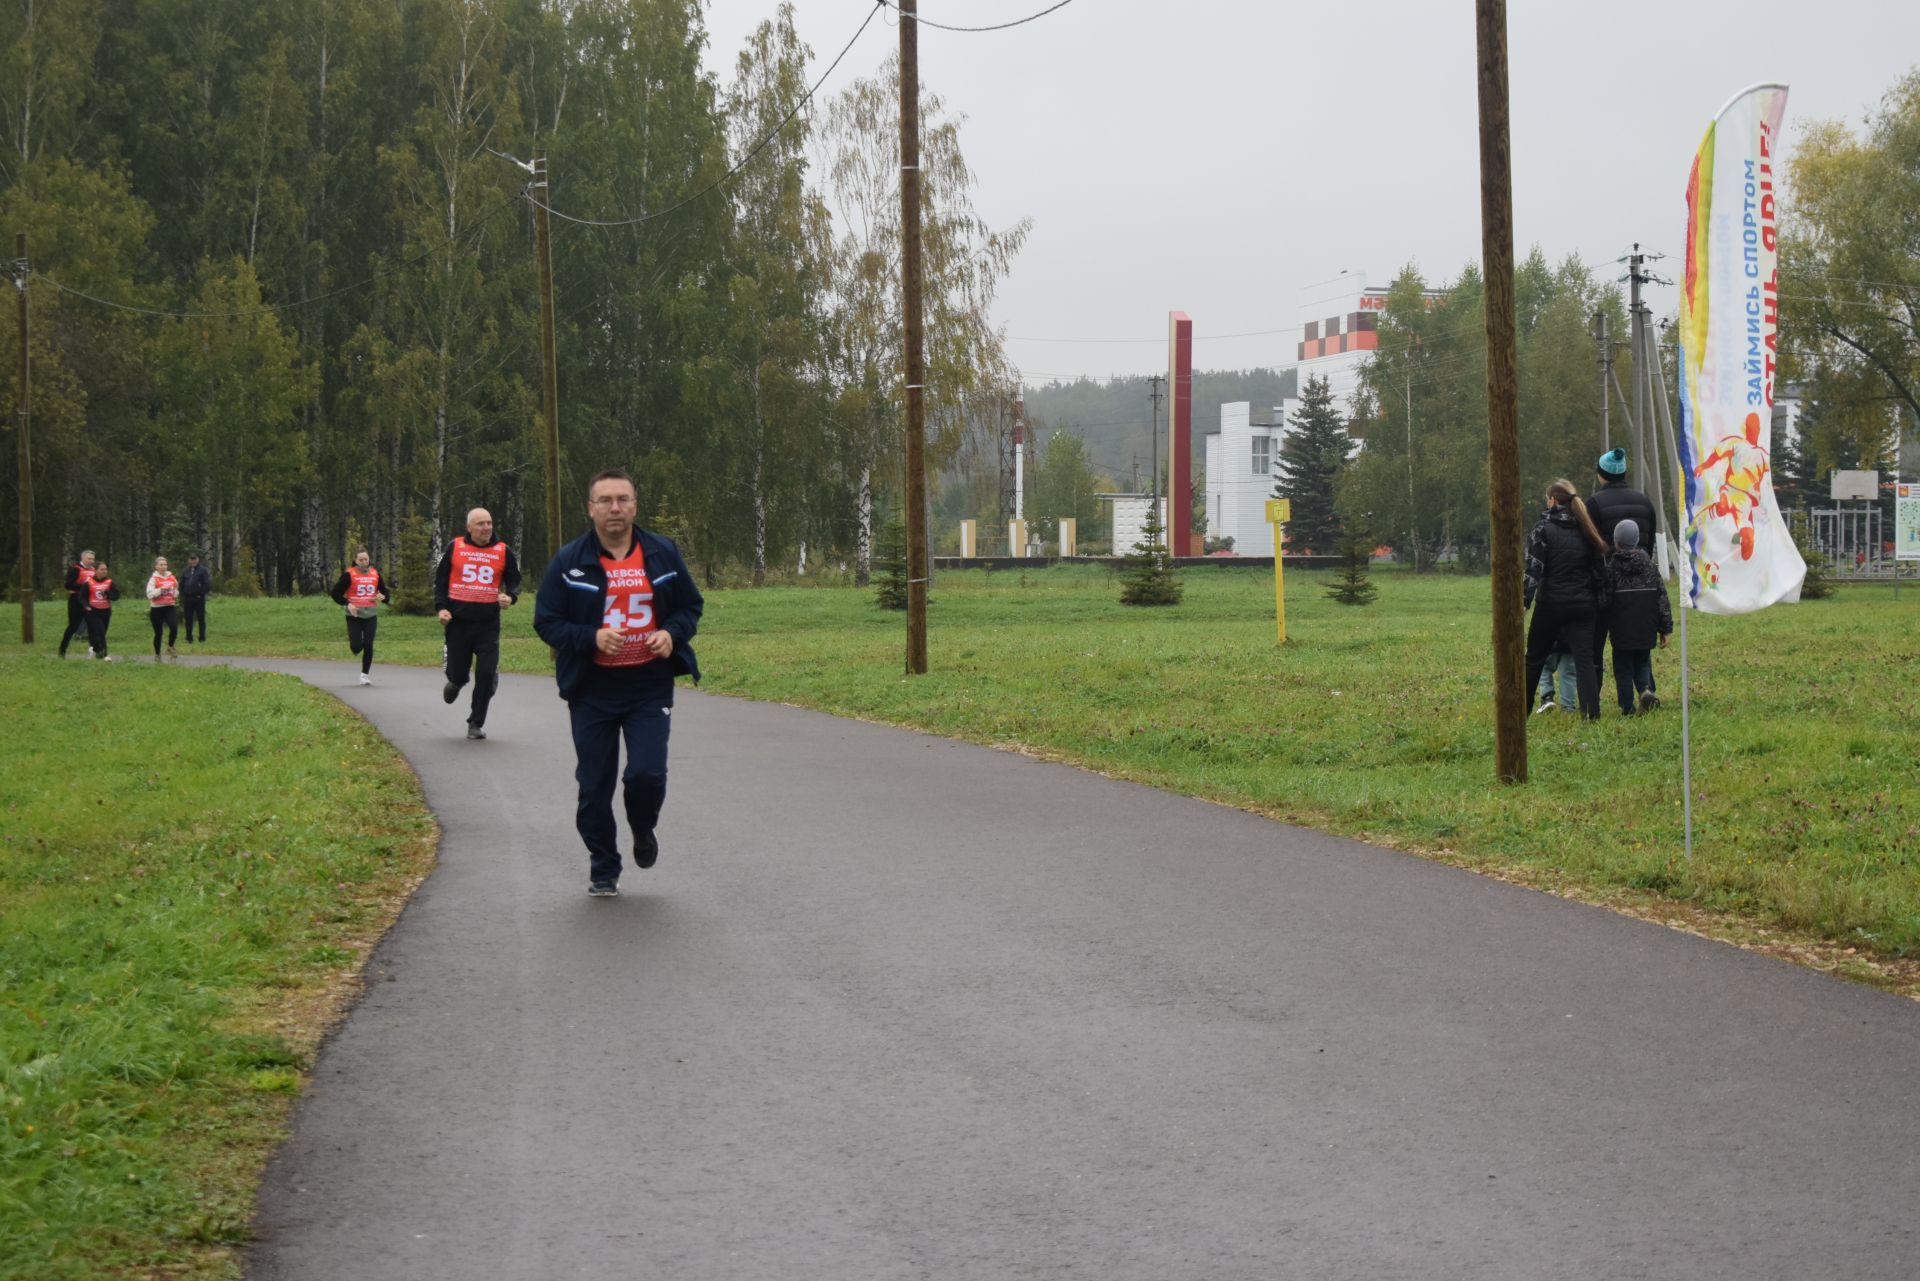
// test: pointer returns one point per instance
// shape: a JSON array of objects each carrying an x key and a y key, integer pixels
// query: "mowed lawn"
[
  {"x": 193, "y": 864},
  {"x": 1373, "y": 721}
]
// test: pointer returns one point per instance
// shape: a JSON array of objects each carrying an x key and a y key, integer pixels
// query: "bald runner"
[{"x": 476, "y": 579}]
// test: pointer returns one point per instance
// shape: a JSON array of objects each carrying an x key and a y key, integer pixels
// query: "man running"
[
  {"x": 619, "y": 609},
  {"x": 474, "y": 581},
  {"x": 195, "y": 585},
  {"x": 359, "y": 590},
  {"x": 79, "y": 574}
]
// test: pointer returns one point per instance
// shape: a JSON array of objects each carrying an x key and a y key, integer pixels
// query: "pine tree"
[
  {"x": 1816, "y": 585},
  {"x": 1312, "y": 457},
  {"x": 412, "y": 586},
  {"x": 1148, "y": 577},
  {"x": 1353, "y": 587},
  {"x": 890, "y": 592}
]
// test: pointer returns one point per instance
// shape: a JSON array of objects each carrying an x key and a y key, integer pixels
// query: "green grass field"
[
  {"x": 192, "y": 864},
  {"x": 1375, "y": 722}
]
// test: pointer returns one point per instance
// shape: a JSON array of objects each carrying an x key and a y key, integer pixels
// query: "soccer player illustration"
[{"x": 1739, "y": 493}]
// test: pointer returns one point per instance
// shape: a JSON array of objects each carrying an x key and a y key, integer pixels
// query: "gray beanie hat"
[{"x": 1626, "y": 534}]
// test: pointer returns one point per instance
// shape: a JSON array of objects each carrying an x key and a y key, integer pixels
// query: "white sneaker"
[
  {"x": 1544, "y": 708},
  {"x": 365, "y": 679},
  {"x": 106, "y": 658}
]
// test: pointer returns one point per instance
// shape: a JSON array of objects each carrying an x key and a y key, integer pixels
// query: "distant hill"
[{"x": 1112, "y": 416}]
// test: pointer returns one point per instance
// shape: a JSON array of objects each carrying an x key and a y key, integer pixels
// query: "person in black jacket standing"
[
  {"x": 1613, "y": 502},
  {"x": 1564, "y": 563},
  {"x": 476, "y": 579},
  {"x": 1638, "y": 614},
  {"x": 620, "y": 610},
  {"x": 79, "y": 574},
  {"x": 195, "y": 585}
]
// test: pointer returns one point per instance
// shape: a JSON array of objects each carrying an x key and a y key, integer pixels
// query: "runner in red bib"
[
  {"x": 475, "y": 580},
  {"x": 101, "y": 593},
  {"x": 163, "y": 600},
  {"x": 359, "y": 590},
  {"x": 620, "y": 610},
  {"x": 79, "y": 574}
]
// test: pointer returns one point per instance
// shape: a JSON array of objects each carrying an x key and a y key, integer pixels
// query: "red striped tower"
[{"x": 1180, "y": 541}]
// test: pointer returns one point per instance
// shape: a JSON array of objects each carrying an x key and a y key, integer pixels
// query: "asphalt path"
[{"x": 897, "y": 1007}]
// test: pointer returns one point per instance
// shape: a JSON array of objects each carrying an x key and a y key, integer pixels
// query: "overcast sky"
[{"x": 1218, "y": 156}]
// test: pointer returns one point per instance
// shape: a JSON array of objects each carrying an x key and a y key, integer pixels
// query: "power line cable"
[
  {"x": 1003, "y": 26},
  {"x": 745, "y": 160}
]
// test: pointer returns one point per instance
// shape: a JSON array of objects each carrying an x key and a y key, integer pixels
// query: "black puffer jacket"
[
  {"x": 1616, "y": 501},
  {"x": 1640, "y": 613},
  {"x": 1563, "y": 565}
]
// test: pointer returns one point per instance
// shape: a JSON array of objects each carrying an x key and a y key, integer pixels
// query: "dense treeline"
[{"x": 284, "y": 295}]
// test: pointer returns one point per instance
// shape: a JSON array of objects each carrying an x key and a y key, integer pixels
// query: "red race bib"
[
  {"x": 363, "y": 590},
  {"x": 169, "y": 590},
  {"x": 477, "y": 571},
  {"x": 628, "y": 609},
  {"x": 97, "y": 589}
]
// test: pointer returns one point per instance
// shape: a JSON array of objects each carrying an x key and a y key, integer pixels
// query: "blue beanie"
[{"x": 1614, "y": 462}]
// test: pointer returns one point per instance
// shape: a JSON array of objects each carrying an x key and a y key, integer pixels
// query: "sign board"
[
  {"x": 1906, "y": 522},
  {"x": 1279, "y": 511},
  {"x": 1856, "y": 484}
]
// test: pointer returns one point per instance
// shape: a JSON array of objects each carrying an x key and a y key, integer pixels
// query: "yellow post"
[{"x": 1279, "y": 511}]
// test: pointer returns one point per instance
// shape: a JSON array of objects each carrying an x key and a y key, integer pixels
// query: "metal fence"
[{"x": 1851, "y": 540}]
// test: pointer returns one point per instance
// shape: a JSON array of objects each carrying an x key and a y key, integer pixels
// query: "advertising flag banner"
[{"x": 1737, "y": 554}]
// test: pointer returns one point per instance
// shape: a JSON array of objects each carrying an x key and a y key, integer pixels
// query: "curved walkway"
[{"x": 896, "y": 1007}]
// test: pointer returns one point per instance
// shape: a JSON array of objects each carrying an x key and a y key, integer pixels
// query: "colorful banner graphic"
[{"x": 1738, "y": 555}]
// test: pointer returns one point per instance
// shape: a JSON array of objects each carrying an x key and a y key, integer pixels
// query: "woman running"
[
  {"x": 360, "y": 589},
  {"x": 101, "y": 593},
  {"x": 163, "y": 606}
]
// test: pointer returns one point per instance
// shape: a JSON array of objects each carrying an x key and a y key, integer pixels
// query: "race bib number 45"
[{"x": 629, "y": 611}]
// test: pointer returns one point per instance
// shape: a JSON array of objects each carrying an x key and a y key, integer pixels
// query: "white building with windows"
[{"x": 1242, "y": 455}]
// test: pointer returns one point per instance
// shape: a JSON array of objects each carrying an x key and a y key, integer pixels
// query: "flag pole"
[
  {"x": 1686, "y": 733},
  {"x": 1670, "y": 438}
]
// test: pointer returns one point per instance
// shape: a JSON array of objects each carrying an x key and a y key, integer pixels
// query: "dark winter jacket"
[
  {"x": 467, "y": 610},
  {"x": 1616, "y": 501},
  {"x": 1639, "y": 613},
  {"x": 571, "y": 607},
  {"x": 1563, "y": 565},
  {"x": 195, "y": 583}
]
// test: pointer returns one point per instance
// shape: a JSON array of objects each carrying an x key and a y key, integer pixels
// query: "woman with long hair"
[{"x": 1565, "y": 557}]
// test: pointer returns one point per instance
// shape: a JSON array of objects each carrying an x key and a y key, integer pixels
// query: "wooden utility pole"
[
  {"x": 1606, "y": 365},
  {"x": 550, "y": 376},
  {"x": 26, "y": 448},
  {"x": 1503, "y": 395},
  {"x": 916, "y": 360}
]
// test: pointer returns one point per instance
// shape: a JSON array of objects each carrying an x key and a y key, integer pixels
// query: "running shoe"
[
  {"x": 449, "y": 692},
  {"x": 646, "y": 850},
  {"x": 1648, "y": 701},
  {"x": 603, "y": 889},
  {"x": 365, "y": 679},
  {"x": 474, "y": 731}
]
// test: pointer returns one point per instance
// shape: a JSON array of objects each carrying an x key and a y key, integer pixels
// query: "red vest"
[
  {"x": 363, "y": 590},
  {"x": 97, "y": 589},
  {"x": 169, "y": 590},
  {"x": 83, "y": 574},
  {"x": 629, "y": 609},
  {"x": 477, "y": 571}
]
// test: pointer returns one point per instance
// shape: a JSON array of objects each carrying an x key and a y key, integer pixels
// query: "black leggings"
[
  {"x": 360, "y": 633},
  {"x": 97, "y": 621},
  {"x": 76, "y": 623},
  {"x": 164, "y": 618},
  {"x": 1569, "y": 629}
]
